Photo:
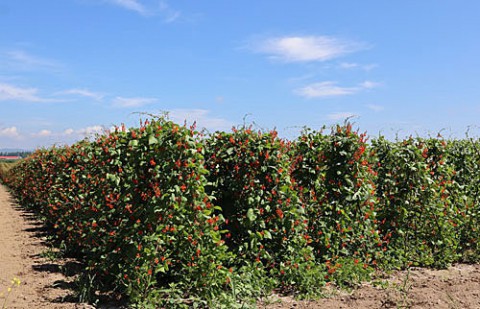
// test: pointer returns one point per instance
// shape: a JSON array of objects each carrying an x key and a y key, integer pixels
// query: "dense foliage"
[
  {"x": 265, "y": 219},
  {"x": 133, "y": 204},
  {"x": 168, "y": 217},
  {"x": 335, "y": 181}
]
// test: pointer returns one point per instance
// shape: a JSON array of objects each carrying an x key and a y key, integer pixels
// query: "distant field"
[{"x": 5, "y": 165}]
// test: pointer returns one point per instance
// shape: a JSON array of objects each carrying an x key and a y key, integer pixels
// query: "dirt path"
[
  {"x": 21, "y": 244},
  {"x": 455, "y": 288}
]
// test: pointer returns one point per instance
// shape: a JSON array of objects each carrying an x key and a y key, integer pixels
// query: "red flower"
[
  {"x": 425, "y": 153},
  {"x": 279, "y": 213},
  {"x": 152, "y": 162}
]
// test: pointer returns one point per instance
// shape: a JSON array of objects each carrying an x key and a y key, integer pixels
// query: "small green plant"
[
  {"x": 404, "y": 290},
  {"x": 51, "y": 253},
  {"x": 4, "y": 295}
]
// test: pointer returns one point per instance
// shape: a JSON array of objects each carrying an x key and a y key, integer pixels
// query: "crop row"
[{"x": 169, "y": 217}]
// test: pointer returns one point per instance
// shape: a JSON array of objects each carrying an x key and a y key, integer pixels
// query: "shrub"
[
  {"x": 334, "y": 178},
  {"x": 417, "y": 217},
  {"x": 133, "y": 205},
  {"x": 264, "y": 219}
]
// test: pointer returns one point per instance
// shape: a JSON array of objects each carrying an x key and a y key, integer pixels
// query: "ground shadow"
[{"x": 70, "y": 267}]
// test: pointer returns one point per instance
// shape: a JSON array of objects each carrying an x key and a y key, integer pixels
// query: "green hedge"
[
  {"x": 335, "y": 180},
  {"x": 168, "y": 217},
  {"x": 133, "y": 205},
  {"x": 266, "y": 222}
]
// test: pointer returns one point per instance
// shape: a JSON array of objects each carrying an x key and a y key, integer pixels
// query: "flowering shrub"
[
  {"x": 133, "y": 204},
  {"x": 464, "y": 156},
  {"x": 334, "y": 178},
  {"x": 264, "y": 219},
  {"x": 418, "y": 218},
  {"x": 171, "y": 218}
]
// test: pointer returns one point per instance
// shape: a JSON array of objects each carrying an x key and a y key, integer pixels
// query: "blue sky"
[{"x": 71, "y": 68}]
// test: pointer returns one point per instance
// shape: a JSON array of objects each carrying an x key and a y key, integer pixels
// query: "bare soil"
[
  {"x": 457, "y": 287},
  {"x": 45, "y": 285},
  {"x": 22, "y": 244}
]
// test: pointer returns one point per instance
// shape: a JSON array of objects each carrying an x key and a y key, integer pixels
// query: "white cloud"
[
  {"x": 307, "y": 48},
  {"x": 170, "y": 15},
  {"x": 132, "y": 5},
  {"x": 132, "y": 102},
  {"x": 369, "y": 84},
  {"x": 68, "y": 132},
  {"x": 324, "y": 89},
  {"x": 161, "y": 9},
  {"x": 341, "y": 116},
  {"x": 353, "y": 65},
  {"x": 10, "y": 92},
  {"x": 202, "y": 117},
  {"x": 82, "y": 92},
  {"x": 22, "y": 60},
  {"x": 331, "y": 89},
  {"x": 43, "y": 133},
  {"x": 11, "y": 132},
  {"x": 375, "y": 108},
  {"x": 90, "y": 130},
  {"x": 348, "y": 65}
]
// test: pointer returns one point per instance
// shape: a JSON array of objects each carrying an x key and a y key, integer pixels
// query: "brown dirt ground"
[
  {"x": 457, "y": 287},
  {"x": 22, "y": 241}
]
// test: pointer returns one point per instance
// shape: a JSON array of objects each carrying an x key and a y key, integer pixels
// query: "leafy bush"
[
  {"x": 334, "y": 178},
  {"x": 417, "y": 216},
  {"x": 171, "y": 218},
  {"x": 464, "y": 156},
  {"x": 133, "y": 205},
  {"x": 265, "y": 222}
]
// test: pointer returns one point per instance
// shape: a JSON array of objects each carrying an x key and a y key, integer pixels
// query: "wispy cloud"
[
  {"x": 169, "y": 14},
  {"x": 341, "y": 116},
  {"x": 331, "y": 89},
  {"x": 202, "y": 118},
  {"x": 132, "y": 5},
  {"x": 10, "y": 92},
  {"x": 43, "y": 133},
  {"x": 375, "y": 108},
  {"x": 161, "y": 8},
  {"x": 325, "y": 89},
  {"x": 82, "y": 92},
  {"x": 79, "y": 133},
  {"x": 132, "y": 102},
  {"x": 91, "y": 130},
  {"x": 369, "y": 85},
  {"x": 22, "y": 60},
  {"x": 306, "y": 48},
  {"x": 11, "y": 132},
  {"x": 353, "y": 65},
  {"x": 69, "y": 131}
]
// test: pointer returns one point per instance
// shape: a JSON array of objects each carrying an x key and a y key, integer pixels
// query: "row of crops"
[{"x": 167, "y": 216}]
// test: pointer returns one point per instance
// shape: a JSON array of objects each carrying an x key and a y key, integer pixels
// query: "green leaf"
[
  {"x": 152, "y": 139},
  {"x": 251, "y": 215},
  {"x": 133, "y": 143}
]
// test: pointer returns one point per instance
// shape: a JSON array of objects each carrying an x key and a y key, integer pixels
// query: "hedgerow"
[
  {"x": 265, "y": 222},
  {"x": 335, "y": 180},
  {"x": 417, "y": 216},
  {"x": 464, "y": 156},
  {"x": 168, "y": 217},
  {"x": 133, "y": 205}
]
